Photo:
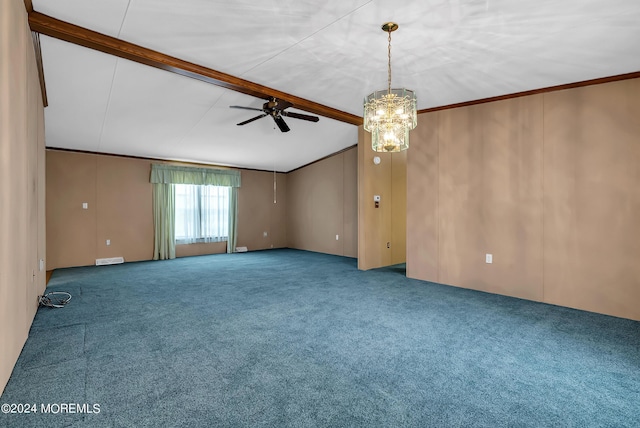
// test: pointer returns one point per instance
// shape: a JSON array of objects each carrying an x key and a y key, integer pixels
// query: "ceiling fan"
[{"x": 275, "y": 108}]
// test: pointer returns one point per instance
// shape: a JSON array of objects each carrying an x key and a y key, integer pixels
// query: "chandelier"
[{"x": 390, "y": 114}]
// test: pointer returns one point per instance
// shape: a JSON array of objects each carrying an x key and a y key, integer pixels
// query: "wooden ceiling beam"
[
  {"x": 35, "y": 36},
  {"x": 84, "y": 37}
]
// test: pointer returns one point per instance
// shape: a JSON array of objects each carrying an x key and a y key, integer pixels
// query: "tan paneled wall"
[
  {"x": 350, "y": 202},
  {"x": 118, "y": 194},
  {"x": 257, "y": 212},
  {"x": 592, "y": 198},
  {"x": 382, "y": 230},
  {"x": 119, "y": 198},
  {"x": 422, "y": 200},
  {"x": 322, "y": 203},
  {"x": 547, "y": 183},
  {"x": 490, "y": 197},
  {"x": 199, "y": 249},
  {"x": 398, "y": 208},
  {"x": 21, "y": 184},
  {"x": 71, "y": 230},
  {"x": 123, "y": 197}
]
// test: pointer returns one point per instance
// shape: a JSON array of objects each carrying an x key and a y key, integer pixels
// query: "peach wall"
[
  {"x": 350, "y": 202},
  {"x": 398, "y": 203},
  {"x": 201, "y": 248},
  {"x": 322, "y": 203},
  {"x": 118, "y": 194},
  {"x": 257, "y": 212},
  {"x": 490, "y": 197},
  {"x": 546, "y": 183},
  {"x": 592, "y": 198},
  {"x": 71, "y": 230},
  {"x": 21, "y": 184},
  {"x": 382, "y": 230},
  {"x": 123, "y": 198},
  {"x": 423, "y": 215}
]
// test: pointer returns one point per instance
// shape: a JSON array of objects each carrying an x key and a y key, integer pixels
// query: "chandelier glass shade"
[{"x": 390, "y": 114}]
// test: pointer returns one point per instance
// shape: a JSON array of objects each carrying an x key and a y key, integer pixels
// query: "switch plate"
[
  {"x": 337, "y": 237},
  {"x": 85, "y": 206},
  {"x": 488, "y": 258},
  {"x": 264, "y": 234}
]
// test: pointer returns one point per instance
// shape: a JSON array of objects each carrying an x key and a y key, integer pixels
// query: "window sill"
[{"x": 202, "y": 241}]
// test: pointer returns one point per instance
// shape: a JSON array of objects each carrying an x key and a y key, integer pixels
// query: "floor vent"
[
  {"x": 241, "y": 249},
  {"x": 109, "y": 261}
]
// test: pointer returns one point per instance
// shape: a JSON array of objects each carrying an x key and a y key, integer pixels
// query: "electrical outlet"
[
  {"x": 108, "y": 242},
  {"x": 488, "y": 258}
]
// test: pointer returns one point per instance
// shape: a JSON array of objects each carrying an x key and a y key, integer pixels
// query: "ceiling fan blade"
[
  {"x": 281, "y": 123},
  {"x": 300, "y": 116},
  {"x": 252, "y": 119},
  {"x": 246, "y": 108},
  {"x": 282, "y": 104}
]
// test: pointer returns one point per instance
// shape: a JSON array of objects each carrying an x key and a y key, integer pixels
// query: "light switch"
[
  {"x": 85, "y": 206},
  {"x": 488, "y": 258}
]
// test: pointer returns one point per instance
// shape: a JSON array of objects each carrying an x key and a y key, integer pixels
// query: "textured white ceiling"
[{"x": 331, "y": 52}]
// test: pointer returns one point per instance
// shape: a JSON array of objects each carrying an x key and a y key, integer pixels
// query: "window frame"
[{"x": 199, "y": 207}]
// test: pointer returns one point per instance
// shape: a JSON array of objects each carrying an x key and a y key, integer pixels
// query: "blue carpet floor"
[{"x": 289, "y": 338}]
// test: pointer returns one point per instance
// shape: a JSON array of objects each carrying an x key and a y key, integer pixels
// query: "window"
[{"x": 202, "y": 213}]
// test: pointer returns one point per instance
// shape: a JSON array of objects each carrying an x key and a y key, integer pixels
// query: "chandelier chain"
[{"x": 389, "y": 56}]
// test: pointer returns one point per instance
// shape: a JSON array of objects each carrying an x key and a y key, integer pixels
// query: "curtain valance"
[{"x": 175, "y": 174}]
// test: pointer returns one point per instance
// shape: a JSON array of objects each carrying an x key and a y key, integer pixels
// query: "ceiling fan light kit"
[
  {"x": 275, "y": 107},
  {"x": 390, "y": 114}
]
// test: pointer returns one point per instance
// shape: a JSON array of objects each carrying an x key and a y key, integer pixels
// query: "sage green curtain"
[
  {"x": 166, "y": 175},
  {"x": 164, "y": 222},
  {"x": 233, "y": 220},
  {"x": 175, "y": 174}
]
